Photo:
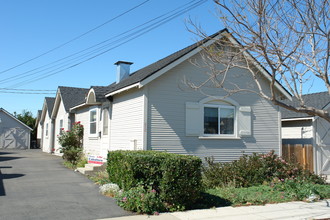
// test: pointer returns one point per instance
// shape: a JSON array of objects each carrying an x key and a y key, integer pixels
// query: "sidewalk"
[{"x": 291, "y": 210}]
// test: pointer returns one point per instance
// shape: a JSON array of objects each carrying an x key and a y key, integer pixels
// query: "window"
[
  {"x": 219, "y": 120},
  {"x": 61, "y": 126},
  {"x": 92, "y": 121},
  {"x": 105, "y": 121},
  {"x": 47, "y": 130}
]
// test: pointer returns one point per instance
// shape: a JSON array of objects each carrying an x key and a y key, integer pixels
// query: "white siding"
[
  {"x": 61, "y": 115},
  {"x": 297, "y": 129},
  {"x": 126, "y": 120},
  {"x": 46, "y": 139},
  {"x": 166, "y": 123},
  {"x": 92, "y": 145}
]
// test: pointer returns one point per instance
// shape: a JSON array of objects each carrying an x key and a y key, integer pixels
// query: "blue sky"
[
  {"x": 33, "y": 27},
  {"x": 30, "y": 28}
]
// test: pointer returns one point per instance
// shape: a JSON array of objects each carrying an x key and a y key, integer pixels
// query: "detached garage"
[{"x": 14, "y": 134}]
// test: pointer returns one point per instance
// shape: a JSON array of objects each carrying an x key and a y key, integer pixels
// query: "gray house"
[
  {"x": 152, "y": 109},
  {"x": 303, "y": 130},
  {"x": 14, "y": 134}
]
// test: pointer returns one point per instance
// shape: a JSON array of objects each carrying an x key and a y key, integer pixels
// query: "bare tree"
[{"x": 289, "y": 38}]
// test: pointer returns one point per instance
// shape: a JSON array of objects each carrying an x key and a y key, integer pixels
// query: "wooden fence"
[{"x": 299, "y": 153}]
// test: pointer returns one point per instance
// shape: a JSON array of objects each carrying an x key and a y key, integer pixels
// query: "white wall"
[
  {"x": 61, "y": 115},
  {"x": 91, "y": 144},
  {"x": 126, "y": 120},
  {"x": 46, "y": 139}
]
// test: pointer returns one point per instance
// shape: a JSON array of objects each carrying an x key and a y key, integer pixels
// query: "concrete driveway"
[{"x": 35, "y": 185}]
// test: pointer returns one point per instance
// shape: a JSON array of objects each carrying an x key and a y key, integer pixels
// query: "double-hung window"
[
  {"x": 219, "y": 120},
  {"x": 105, "y": 121},
  {"x": 92, "y": 121},
  {"x": 61, "y": 126},
  {"x": 46, "y": 129}
]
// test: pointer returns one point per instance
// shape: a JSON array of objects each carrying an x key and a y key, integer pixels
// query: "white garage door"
[{"x": 14, "y": 138}]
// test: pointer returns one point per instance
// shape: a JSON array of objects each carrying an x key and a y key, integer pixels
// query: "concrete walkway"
[
  {"x": 35, "y": 185},
  {"x": 291, "y": 210}
]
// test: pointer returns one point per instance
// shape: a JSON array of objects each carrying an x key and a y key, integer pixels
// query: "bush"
[
  {"x": 177, "y": 178},
  {"x": 254, "y": 170},
  {"x": 141, "y": 200},
  {"x": 71, "y": 143},
  {"x": 109, "y": 189}
]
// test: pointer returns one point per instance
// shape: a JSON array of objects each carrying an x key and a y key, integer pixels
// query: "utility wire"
[
  {"x": 28, "y": 89},
  {"x": 42, "y": 69},
  {"x": 76, "y": 38},
  {"x": 129, "y": 37}
]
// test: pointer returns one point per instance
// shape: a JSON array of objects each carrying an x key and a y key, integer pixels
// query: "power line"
[
  {"x": 28, "y": 89},
  {"x": 103, "y": 49},
  {"x": 75, "y": 38},
  {"x": 28, "y": 93}
]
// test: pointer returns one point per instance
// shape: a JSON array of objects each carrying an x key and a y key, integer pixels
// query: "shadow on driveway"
[{"x": 6, "y": 176}]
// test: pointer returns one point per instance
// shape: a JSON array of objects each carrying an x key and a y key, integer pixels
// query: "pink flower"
[
  {"x": 156, "y": 213},
  {"x": 62, "y": 129},
  {"x": 124, "y": 199},
  {"x": 153, "y": 191}
]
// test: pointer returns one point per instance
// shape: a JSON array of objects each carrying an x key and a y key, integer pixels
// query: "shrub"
[
  {"x": 109, "y": 189},
  {"x": 71, "y": 143},
  {"x": 177, "y": 178},
  {"x": 141, "y": 200},
  {"x": 254, "y": 170}
]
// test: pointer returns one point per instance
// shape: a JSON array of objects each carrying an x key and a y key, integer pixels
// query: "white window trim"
[
  {"x": 96, "y": 123},
  {"x": 220, "y": 135},
  {"x": 59, "y": 125},
  {"x": 231, "y": 103},
  {"x": 104, "y": 110},
  {"x": 46, "y": 130}
]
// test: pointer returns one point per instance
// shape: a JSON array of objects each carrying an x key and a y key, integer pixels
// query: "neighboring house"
[
  {"x": 302, "y": 129},
  {"x": 38, "y": 128},
  {"x": 93, "y": 113},
  {"x": 46, "y": 124},
  {"x": 152, "y": 109},
  {"x": 14, "y": 134},
  {"x": 62, "y": 119}
]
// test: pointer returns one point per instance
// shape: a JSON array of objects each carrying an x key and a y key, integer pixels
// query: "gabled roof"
[
  {"x": 149, "y": 70},
  {"x": 153, "y": 69},
  {"x": 50, "y": 104},
  {"x": 13, "y": 117},
  {"x": 72, "y": 96},
  {"x": 317, "y": 100}
]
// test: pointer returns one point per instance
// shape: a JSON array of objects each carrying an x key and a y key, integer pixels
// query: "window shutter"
[
  {"x": 193, "y": 119},
  {"x": 245, "y": 121}
]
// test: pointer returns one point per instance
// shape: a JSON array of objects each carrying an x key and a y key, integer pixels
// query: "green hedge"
[{"x": 177, "y": 178}]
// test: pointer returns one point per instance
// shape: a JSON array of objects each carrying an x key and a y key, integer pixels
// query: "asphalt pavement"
[{"x": 35, "y": 185}]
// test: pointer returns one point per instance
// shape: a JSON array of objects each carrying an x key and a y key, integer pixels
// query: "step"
[{"x": 90, "y": 168}]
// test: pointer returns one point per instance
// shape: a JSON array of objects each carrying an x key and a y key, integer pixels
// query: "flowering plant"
[
  {"x": 142, "y": 200},
  {"x": 109, "y": 189},
  {"x": 71, "y": 143}
]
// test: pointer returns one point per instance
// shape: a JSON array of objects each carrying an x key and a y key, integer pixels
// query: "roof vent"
[{"x": 123, "y": 70}]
